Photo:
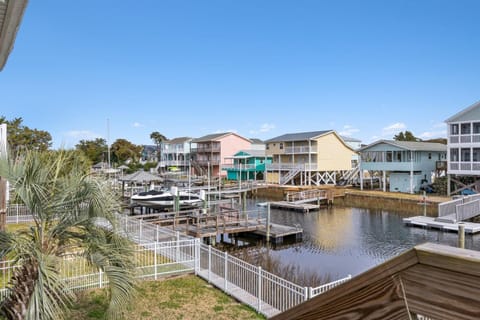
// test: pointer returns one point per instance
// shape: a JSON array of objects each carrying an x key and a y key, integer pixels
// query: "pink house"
[{"x": 212, "y": 150}]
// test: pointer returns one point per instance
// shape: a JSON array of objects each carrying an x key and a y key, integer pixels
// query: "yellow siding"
[
  {"x": 272, "y": 177},
  {"x": 274, "y": 148},
  {"x": 333, "y": 154}
]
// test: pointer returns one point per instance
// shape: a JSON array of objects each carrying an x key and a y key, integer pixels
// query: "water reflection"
[{"x": 340, "y": 241}]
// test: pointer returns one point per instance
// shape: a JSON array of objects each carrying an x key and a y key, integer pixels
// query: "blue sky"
[{"x": 367, "y": 69}]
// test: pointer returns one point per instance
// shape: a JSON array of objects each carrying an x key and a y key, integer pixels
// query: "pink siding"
[{"x": 231, "y": 144}]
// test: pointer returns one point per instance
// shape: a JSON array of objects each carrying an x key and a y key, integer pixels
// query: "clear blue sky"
[{"x": 367, "y": 69}]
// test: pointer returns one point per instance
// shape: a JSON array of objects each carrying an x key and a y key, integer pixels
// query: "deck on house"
[{"x": 431, "y": 222}]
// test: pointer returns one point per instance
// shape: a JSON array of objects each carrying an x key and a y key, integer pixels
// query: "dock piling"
[{"x": 461, "y": 235}]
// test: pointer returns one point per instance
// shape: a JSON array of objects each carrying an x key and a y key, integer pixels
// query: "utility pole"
[{"x": 3, "y": 182}]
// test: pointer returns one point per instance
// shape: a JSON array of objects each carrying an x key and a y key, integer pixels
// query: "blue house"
[
  {"x": 408, "y": 164},
  {"x": 247, "y": 165}
]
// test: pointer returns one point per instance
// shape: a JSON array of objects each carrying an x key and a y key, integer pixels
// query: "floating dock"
[
  {"x": 431, "y": 222},
  {"x": 305, "y": 201}
]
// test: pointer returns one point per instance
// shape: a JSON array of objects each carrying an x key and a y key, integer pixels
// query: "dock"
[
  {"x": 225, "y": 222},
  {"x": 305, "y": 201},
  {"x": 433, "y": 223}
]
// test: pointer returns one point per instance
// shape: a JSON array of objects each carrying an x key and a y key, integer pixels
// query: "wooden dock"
[
  {"x": 226, "y": 221},
  {"x": 430, "y": 222},
  {"x": 305, "y": 201}
]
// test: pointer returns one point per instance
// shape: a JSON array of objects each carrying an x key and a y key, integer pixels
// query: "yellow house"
[{"x": 307, "y": 158}]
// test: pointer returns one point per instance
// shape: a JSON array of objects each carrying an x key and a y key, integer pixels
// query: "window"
[
  {"x": 281, "y": 145},
  {"x": 476, "y": 154},
  {"x": 268, "y": 146},
  {"x": 454, "y": 129},
  {"x": 389, "y": 156},
  {"x": 465, "y": 155},
  {"x": 454, "y": 155},
  {"x": 476, "y": 127},
  {"x": 429, "y": 156},
  {"x": 399, "y": 156},
  {"x": 465, "y": 128}
]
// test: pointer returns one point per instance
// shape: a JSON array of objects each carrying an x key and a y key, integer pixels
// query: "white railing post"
[
  {"x": 259, "y": 293},
  {"x": 156, "y": 233},
  {"x": 226, "y": 272},
  {"x": 197, "y": 255},
  {"x": 177, "y": 247},
  {"x": 100, "y": 278},
  {"x": 305, "y": 294},
  {"x": 140, "y": 230},
  {"x": 209, "y": 262},
  {"x": 16, "y": 205},
  {"x": 155, "y": 259},
  {"x": 310, "y": 292}
]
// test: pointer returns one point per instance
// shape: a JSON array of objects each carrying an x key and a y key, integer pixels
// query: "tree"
[
  {"x": 158, "y": 139},
  {"x": 21, "y": 137},
  {"x": 67, "y": 203},
  {"x": 407, "y": 136},
  {"x": 124, "y": 150},
  {"x": 94, "y": 150}
]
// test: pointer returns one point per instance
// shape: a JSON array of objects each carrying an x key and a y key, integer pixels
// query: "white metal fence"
[
  {"x": 162, "y": 251},
  {"x": 17, "y": 213}
]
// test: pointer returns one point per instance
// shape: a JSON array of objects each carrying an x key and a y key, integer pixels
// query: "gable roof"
[
  {"x": 178, "y": 140},
  {"x": 11, "y": 13},
  {"x": 410, "y": 145},
  {"x": 350, "y": 139},
  {"x": 299, "y": 136},
  {"x": 216, "y": 136},
  {"x": 256, "y": 141},
  {"x": 250, "y": 154},
  {"x": 462, "y": 112}
]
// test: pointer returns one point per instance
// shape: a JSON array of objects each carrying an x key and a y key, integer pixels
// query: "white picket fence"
[{"x": 161, "y": 251}]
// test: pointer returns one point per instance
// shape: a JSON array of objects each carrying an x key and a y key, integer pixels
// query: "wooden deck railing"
[{"x": 430, "y": 281}]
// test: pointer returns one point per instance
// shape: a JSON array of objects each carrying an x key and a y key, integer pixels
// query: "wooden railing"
[{"x": 430, "y": 281}]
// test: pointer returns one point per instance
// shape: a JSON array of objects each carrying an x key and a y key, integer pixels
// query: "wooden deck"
[
  {"x": 434, "y": 223},
  {"x": 300, "y": 207}
]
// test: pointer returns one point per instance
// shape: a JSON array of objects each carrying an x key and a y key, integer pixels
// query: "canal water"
[{"x": 341, "y": 240}]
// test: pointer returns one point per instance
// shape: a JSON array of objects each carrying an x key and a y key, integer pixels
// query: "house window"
[
  {"x": 454, "y": 155},
  {"x": 389, "y": 156},
  {"x": 476, "y": 154},
  {"x": 476, "y": 127},
  {"x": 465, "y": 155},
  {"x": 399, "y": 156},
  {"x": 454, "y": 129},
  {"x": 281, "y": 145},
  {"x": 429, "y": 156},
  {"x": 465, "y": 128},
  {"x": 268, "y": 146}
]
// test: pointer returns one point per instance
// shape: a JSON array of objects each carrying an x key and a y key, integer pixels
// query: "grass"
[{"x": 186, "y": 297}]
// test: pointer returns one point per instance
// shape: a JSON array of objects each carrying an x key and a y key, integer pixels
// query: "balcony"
[
  {"x": 206, "y": 148},
  {"x": 472, "y": 167},
  {"x": 205, "y": 163},
  {"x": 464, "y": 138},
  {"x": 238, "y": 167},
  {"x": 300, "y": 150},
  {"x": 291, "y": 166}
]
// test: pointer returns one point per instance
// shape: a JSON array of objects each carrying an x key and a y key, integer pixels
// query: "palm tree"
[
  {"x": 68, "y": 204},
  {"x": 158, "y": 139}
]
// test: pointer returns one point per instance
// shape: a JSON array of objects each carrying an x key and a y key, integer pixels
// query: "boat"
[{"x": 166, "y": 199}]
